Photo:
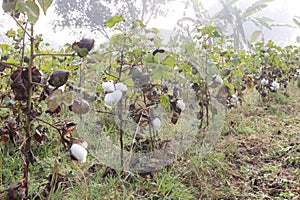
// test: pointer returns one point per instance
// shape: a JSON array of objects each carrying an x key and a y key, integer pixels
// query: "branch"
[
  {"x": 20, "y": 25},
  {"x": 41, "y": 120},
  {"x": 53, "y": 54}
]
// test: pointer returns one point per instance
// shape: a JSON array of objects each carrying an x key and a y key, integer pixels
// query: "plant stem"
[
  {"x": 28, "y": 121},
  {"x": 54, "y": 54}
]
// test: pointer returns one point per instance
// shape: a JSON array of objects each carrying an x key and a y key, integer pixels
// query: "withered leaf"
[
  {"x": 4, "y": 138},
  {"x": 109, "y": 172},
  {"x": 20, "y": 84},
  {"x": 3, "y": 66}
]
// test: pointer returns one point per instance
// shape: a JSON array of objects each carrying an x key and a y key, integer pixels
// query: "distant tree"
[
  {"x": 232, "y": 21},
  {"x": 93, "y": 13}
]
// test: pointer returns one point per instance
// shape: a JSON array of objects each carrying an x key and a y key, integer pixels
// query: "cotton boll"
[
  {"x": 217, "y": 78},
  {"x": 275, "y": 85},
  {"x": 156, "y": 123},
  {"x": 234, "y": 98},
  {"x": 113, "y": 98},
  {"x": 108, "y": 86},
  {"x": 264, "y": 81},
  {"x": 121, "y": 86},
  {"x": 84, "y": 144},
  {"x": 180, "y": 104},
  {"x": 79, "y": 152}
]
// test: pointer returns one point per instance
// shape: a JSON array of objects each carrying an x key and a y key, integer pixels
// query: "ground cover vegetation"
[{"x": 134, "y": 118}]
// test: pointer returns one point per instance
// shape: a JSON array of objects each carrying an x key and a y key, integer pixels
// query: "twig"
[
  {"x": 20, "y": 25},
  {"x": 41, "y": 120},
  {"x": 53, "y": 54}
]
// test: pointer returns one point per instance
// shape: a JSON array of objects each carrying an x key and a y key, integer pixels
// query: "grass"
[{"x": 256, "y": 157}]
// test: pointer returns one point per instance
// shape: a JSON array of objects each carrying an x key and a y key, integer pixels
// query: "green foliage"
[
  {"x": 154, "y": 75},
  {"x": 45, "y": 4},
  {"x": 113, "y": 21}
]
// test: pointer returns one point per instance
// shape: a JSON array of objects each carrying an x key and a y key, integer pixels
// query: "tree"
[
  {"x": 93, "y": 13},
  {"x": 232, "y": 21}
]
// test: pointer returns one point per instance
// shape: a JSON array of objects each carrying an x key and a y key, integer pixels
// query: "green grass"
[{"x": 256, "y": 157}]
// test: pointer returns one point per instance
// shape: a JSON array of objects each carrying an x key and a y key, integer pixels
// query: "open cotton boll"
[
  {"x": 113, "y": 98},
  {"x": 217, "y": 78},
  {"x": 180, "y": 104},
  {"x": 84, "y": 144},
  {"x": 234, "y": 98},
  {"x": 264, "y": 81},
  {"x": 79, "y": 152},
  {"x": 121, "y": 86},
  {"x": 275, "y": 85},
  {"x": 156, "y": 123},
  {"x": 108, "y": 86}
]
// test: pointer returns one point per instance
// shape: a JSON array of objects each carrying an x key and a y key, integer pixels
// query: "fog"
[{"x": 282, "y": 11}]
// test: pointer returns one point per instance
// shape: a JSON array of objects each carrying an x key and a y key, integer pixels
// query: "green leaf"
[
  {"x": 164, "y": 101},
  {"x": 230, "y": 86},
  {"x": 296, "y": 22},
  {"x": 68, "y": 98},
  {"x": 9, "y": 6},
  {"x": 45, "y": 4},
  {"x": 169, "y": 61},
  {"x": 113, "y": 21},
  {"x": 33, "y": 12},
  {"x": 255, "y": 36}
]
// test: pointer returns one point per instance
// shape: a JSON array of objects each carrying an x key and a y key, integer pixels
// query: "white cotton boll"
[
  {"x": 275, "y": 85},
  {"x": 121, "y": 86},
  {"x": 156, "y": 123},
  {"x": 234, "y": 98},
  {"x": 180, "y": 104},
  {"x": 113, "y": 98},
  {"x": 108, "y": 86},
  {"x": 84, "y": 144},
  {"x": 79, "y": 152},
  {"x": 217, "y": 78},
  {"x": 264, "y": 81}
]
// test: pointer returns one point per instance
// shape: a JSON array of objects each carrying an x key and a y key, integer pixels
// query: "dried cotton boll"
[
  {"x": 79, "y": 152},
  {"x": 113, "y": 98},
  {"x": 180, "y": 104},
  {"x": 156, "y": 123},
  {"x": 121, "y": 86}
]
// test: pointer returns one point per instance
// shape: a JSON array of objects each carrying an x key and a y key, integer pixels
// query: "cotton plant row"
[{"x": 268, "y": 79}]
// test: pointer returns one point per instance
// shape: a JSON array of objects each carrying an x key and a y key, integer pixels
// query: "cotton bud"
[
  {"x": 80, "y": 106},
  {"x": 113, "y": 98},
  {"x": 58, "y": 78},
  {"x": 121, "y": 86},
  {"x": 264, "y": 81},
  {"x": 217, "y": 78},
  {"x": 180, "y": 104},
  {"x": 156, "y": 123},
  {"x": 79, "y": 152},
  {"x": 108, "y": 86}
]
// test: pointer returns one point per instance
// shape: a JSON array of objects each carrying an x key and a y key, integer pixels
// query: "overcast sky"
[{"x": 280, "y": 10}]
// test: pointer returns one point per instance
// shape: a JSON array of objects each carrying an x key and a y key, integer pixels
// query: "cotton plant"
[{"x": 113, "y": 91}]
